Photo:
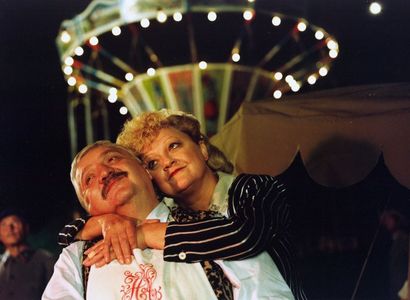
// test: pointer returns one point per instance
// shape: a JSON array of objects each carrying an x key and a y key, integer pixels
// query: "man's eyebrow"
[
  {"x": 102, "y": 154},
  {"x": 112, "y": 150}
]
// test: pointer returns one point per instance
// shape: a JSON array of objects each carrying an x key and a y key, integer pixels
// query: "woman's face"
[{"x": 176, "y": 163}]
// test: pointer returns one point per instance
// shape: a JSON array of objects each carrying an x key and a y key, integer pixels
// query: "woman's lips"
[{"x": 173, "y": 173}]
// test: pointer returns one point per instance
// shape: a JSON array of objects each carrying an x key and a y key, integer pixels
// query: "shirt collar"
[
  {"x": 4, "y": 257},
  {"x": 219, "y": 200},
  {"x": 160, "y": 212}
]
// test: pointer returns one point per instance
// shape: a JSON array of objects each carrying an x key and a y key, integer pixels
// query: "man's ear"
[{"x": 204, "y": 150}]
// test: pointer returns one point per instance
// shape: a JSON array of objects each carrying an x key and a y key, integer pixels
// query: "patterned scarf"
[
  {"x": 216, "y": 276},
  {"x": 86, "y": 269}
]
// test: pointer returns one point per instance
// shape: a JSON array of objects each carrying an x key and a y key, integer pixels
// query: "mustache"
[{"x": 112, "y": 176}]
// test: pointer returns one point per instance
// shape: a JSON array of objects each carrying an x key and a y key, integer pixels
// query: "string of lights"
[{"x": 200, "y": 57}]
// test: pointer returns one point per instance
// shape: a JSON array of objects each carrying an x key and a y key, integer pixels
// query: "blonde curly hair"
[{"x": 143, "y": 129}]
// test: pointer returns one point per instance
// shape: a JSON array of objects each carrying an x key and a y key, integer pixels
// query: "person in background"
[
  {"x": 397, "y": 225},
  {"x": 24, "y": 271}
]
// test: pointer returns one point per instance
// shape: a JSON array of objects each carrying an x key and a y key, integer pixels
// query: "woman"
[{"x": 190, "y": 172}]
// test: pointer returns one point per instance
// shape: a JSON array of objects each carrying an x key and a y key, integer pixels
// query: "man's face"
[
  {"x": 108, "y": 177},
  {"x": 12, "y": 231}
]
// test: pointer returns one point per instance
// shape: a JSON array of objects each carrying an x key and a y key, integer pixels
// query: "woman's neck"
[{"x": 199, "y": 197}]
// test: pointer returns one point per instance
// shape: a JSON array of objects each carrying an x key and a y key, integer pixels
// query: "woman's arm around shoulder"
[{"x": 258, "y": 213}]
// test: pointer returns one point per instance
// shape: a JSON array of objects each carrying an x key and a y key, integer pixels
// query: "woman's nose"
[{"x": 168, "y": 162}]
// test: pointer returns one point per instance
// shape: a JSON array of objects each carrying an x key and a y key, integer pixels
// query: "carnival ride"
[{"x": 203, "y": 57}]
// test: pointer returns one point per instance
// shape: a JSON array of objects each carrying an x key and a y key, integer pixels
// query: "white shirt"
[{"x": 147, "y": 274}]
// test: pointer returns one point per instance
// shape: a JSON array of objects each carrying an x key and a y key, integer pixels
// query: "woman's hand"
[
  {"x": 95, "y": 255},
  {"x": 120, "y": 239},
  {"x": 119, "y": 234}
]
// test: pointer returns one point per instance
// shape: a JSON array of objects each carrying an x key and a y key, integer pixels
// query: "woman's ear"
[{"x": 204, "y": 150}]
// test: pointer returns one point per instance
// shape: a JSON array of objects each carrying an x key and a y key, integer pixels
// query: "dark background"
[{"x": 35, "y": 152}]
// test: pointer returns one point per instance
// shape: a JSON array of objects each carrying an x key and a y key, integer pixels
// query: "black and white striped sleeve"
[
  {"x": 258, "y": 213},
  {"x": 66, "y": 236}
]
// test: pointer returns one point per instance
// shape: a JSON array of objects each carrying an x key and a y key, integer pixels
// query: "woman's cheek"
[{"x": 158, "y": 178}]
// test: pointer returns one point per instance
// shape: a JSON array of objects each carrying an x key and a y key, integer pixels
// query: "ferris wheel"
[{"x": 199, "y": 56}]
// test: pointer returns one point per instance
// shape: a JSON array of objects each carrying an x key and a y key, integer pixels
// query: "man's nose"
[{"x": 105, "y": 173}]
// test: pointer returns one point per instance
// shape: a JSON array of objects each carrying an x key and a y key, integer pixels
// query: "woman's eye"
[
  {"x": 174, "y": 145},
  {"x": 151, "y": 164}
]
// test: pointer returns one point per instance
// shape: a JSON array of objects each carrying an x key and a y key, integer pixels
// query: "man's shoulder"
[{"x": 74, "y": 250}]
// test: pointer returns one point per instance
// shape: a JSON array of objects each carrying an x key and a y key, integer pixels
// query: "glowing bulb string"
[
  {"x": 115, "y": 60},
  {"x": 104, "y": 88},
  {"x": 245, "y": 30},
  {"x": 98, "y": 74},
  {"x": 274, "y": 50},
  {"x": 297, "y": 59}
]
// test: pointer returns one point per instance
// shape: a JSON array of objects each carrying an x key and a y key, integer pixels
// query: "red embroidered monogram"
[{"x": 140, "y": 284}]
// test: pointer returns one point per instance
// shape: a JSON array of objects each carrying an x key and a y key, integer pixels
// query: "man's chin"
[{"x": 120, "y": 195}]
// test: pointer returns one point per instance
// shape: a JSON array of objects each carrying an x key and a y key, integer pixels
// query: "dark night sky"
[{"x": 34, "y": 151}]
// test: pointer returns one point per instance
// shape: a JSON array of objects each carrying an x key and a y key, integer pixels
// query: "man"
[
  {"x": 24, "y": 272},
  {"x": 108, "y": 179}
]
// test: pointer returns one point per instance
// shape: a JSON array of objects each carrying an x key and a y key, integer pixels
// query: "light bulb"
[
  {"x": 276, "y": 21},
  {"x": 145, "y": 23},
  {"x": 277, "y": 94},
  {"x": 212, "y": 16},
  {"x": 65, "y": 37},
  {"x": 177, "y": 16},
  {"x": 116, "y": 31},
  {"x": 123, "y": 110},
  {"x": 93, "y": 41},
  {"x": 79, "y": 51},
  {"x": 203, "y": 65}
]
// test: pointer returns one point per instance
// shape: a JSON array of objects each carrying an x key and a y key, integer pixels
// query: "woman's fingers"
[
  {"x": 150, "y": 221},
  {"x": 94, "y": 248},
  {"x": 95, "y": 255},
  {"x": 120, "y": 235}
]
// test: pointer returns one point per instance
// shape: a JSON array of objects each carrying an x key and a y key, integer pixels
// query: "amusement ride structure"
[{"x": 203, "y": 57}]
